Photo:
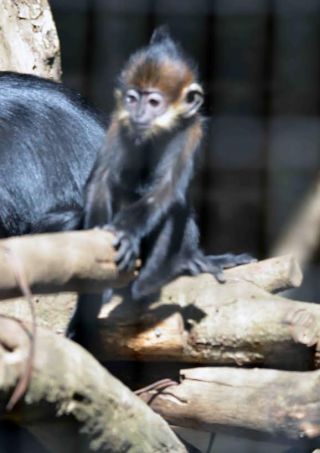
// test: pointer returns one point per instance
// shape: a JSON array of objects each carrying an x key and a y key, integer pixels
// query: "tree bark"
[
  {"x": 278, "y": 403},
  {"x": 71, "y": 391},
  {"x": 81, "y": 261},
  {"x": 28, "y": 38}
]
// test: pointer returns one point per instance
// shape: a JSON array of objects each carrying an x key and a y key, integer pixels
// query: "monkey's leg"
[
  {"x": 82, "y": 327},
  {"x": 194, "y": 262},
  {"x": 167, "y": 251},
  {"x": 159, "y": 252}
]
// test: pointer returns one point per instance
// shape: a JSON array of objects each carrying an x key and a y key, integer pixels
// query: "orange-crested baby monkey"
[{"x": 139, "y": 185}]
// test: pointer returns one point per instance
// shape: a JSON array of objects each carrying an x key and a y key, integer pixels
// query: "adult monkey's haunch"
[
  {"x": 139, "y": 184},
  {"x": 49, "y": 141}
]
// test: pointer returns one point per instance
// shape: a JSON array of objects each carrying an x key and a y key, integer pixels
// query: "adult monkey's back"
[{"x": 49, "y": 140}]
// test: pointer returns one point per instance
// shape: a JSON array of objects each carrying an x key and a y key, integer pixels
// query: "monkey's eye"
[
  {"x": 156, "y": 101},
  {"x": 132, "y": 97}
]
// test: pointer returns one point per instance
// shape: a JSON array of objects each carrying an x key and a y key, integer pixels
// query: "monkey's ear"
[
  {"x": 192, "y": 100},
  {"x": 160, "y": 34}
]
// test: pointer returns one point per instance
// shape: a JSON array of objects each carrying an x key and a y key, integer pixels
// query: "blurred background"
[{"x": 259, "y": 63}]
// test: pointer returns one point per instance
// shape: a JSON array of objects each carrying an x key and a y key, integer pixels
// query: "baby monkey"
[{"x": 139, "y": 185}]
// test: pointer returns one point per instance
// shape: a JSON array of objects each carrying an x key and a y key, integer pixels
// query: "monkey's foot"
[
  {"x": 215, "y": 264},
  {"x": 127, "y": 247},
  {"x": 231, "y": 260}
]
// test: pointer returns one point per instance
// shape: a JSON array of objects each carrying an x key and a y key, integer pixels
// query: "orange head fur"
[{"x": 162, "y": 67}]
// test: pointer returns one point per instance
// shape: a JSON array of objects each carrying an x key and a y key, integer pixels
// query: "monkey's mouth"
[
  {"x": 140, "y": 132},
  {"x": 140, "y": 128}
]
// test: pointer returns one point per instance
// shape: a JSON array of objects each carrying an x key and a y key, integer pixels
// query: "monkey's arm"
[
  {"x": 167, "y": 188},
  {"x": 100, "y": 186},
  {"x": 99, "y": 197}
]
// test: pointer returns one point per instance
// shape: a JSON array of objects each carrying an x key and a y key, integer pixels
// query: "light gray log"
[
  {"x": 68, "y": 382},
  {"x": 234, "y": 401}
]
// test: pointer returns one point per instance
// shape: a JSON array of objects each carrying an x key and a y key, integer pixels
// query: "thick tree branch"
[
  {"x": 68, "y": 382},
  {"x": 77, "y": 261},
  {"x": 279, "y": 403},
  {"x": 193, "y": 320},
  {"x": 197, "y": 320},
  {"x": 84, "y": 261},
  {"x": 273, "y": 275}
]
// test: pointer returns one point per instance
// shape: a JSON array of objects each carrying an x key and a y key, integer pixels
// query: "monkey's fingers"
[
  {"x": 126, "y": 263},
  {"x": 113, "y": 230},
  {"x": 127, "y": 253},
  {"x": 127, "y": 250},
  {"x": 119, "y": 239}
]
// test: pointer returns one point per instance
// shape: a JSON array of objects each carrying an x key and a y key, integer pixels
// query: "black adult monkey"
[
  {"x": 139, "y": 185},
  {"x": 49, "y": 141}
]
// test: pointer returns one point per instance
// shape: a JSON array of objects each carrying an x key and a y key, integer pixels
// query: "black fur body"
[{"x": 49, "y": 142}]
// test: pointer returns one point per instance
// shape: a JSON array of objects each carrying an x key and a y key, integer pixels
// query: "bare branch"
[
  {"x": 76, "y": 387},
  {"x": 274, "y": 275},
  {"x": 77, "y": 261},
  {"x": 196, "y": 320},
  {"x": 84, "y": 261},
  {"x": 230, "y": 400}
]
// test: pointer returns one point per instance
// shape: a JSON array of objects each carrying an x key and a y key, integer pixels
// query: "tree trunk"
[{"x": 28, "y": 38}]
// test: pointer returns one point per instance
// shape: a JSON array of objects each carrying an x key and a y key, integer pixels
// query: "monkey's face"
[
  {"x": 147, "y": 112},
  {"x": 157, "y": 89},
  {"x": 143, "y": 108}
]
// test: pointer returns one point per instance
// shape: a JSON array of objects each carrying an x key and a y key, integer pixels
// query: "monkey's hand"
[{"x": 127, "y": 247}]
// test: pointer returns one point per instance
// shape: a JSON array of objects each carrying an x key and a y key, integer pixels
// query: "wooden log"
[
  {"x": 79, "y": 261},
  {"x": 196, "y": 320},
  {"x": 28, "y": 38},
  {"x": 97, "y": 410},
  {"x": 278, "y": 403},
  {"x": 83, "y": 261},
  {"x": 273, "y": 275}
]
